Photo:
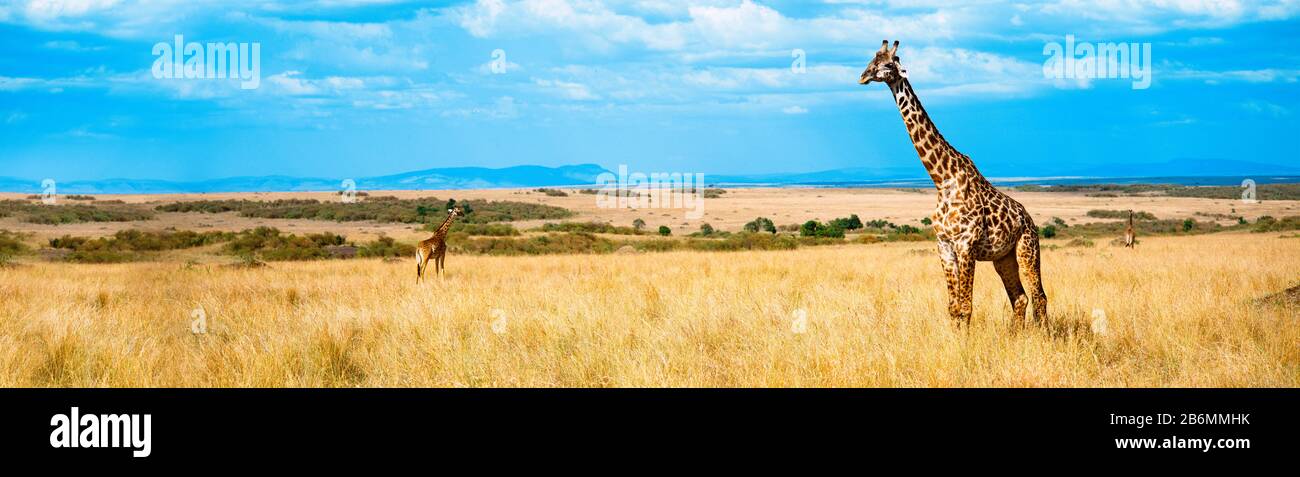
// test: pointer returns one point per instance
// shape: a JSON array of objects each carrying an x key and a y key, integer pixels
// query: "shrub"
[
  {"x": 269, "y": 244},
  {"x": 588, "y": 227},
  {"x": 1269, "y": 224},
  {"x": 72, "y": 213},
  {"x": 11, "y": 244},
  {"x": 1188, "y": 225},
  {"x": 555, "y": 243},
  {"x": 638, "y": 224},
  {"x": 129, "y": 245},
  {"x": 552, "y": 192},
  {"x": 852, "y": 222},
  {"x": 761, "y": 224},
  {"x": 1120, "y": 214},
  {"x": 427, "y": 210},
  {"x": 665, "y": 231},
  {"x": 385, "y": 247},
  {"x": 490, "y": 230},
  {"x": 1048, "y": 231},
  {"x": 813, "y": 228}
]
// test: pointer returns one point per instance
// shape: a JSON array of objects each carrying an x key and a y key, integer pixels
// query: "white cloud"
[
  {"x": 568, "y": 90},
  {"x": 69, "y": 45},
  {"x": 1262, "y": 75},
  {"x": 1266, "y": 108},
  {"x": 794, "y": 110}
]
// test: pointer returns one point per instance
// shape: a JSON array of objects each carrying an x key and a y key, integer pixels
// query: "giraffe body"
[
  {"x": 434, "y": 247},
  {"x": 973, "y": 221},
  {"x": 1130, "y": 238}
]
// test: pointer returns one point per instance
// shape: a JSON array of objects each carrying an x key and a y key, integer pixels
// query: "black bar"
[{"x": 237, "y": 425}]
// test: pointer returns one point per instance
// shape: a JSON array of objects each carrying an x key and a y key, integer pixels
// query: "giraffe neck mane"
[{"x": 941, "y": 160}]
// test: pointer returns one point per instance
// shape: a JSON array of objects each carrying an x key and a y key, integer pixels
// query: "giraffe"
[
  {"x": 973, "y": 221},
  {"x": 1130, "y": 239},
  {"x": 435, "y": 247}
]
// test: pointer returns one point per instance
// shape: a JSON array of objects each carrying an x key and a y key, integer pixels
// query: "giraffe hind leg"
[
  {"x": 1008, "y": 268},
  {"x": 1027, "y": 254}
]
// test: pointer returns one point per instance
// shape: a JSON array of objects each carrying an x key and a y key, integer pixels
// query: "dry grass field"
[{"x": 1178, "y": 311}]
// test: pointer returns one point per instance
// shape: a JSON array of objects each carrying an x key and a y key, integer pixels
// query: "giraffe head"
[
  {"x": 885, "y": 67},
  {"x": 456, "y": 211}
]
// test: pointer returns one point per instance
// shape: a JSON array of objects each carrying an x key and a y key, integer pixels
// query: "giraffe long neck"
[
  {"x": 941, "y": 160},
  {"x": 446, "y": 225}
]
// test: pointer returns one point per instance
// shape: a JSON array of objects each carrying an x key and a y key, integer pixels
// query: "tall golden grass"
[{"x": 1177, "y": 312}]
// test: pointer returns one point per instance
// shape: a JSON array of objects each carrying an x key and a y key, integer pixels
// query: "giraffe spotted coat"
[{"x": 973, "y": 221}]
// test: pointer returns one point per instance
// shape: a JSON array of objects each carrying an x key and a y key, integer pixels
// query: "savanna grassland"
[{"x": 1177, "y": 311}]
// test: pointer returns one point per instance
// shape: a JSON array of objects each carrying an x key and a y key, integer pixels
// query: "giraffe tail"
[{"x": 419, "y": 270}]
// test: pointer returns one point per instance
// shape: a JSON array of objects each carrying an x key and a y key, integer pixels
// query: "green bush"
[
  {"x": 386, "y": 247},
  {"x": 1048, "y": 231},
  {"x": 489, "y": 230},
  {"x": 72, "y": 213},
  {"x": 427, "y": 210},
  {"x": 554, "y": 243},
  {"x": 665, "y": 231},
  {"x": 1269, "y": 224},
  {"x": 706, "y": 230},
  {"x": 852, "y": 222},
  {"x": 553, "y": 192},
  {"x": 130, "y": 245},
  {"x": 11, "y": 244},
  {"x": 761, "y": 224},
  {"x": 813, "y": 228},
  {"x": 269, "y": 244},
  {"x": 1120, "y": 214},
  {"x": 588, "y": 227}
]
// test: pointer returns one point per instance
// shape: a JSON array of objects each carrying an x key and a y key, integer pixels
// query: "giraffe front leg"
[
  {"x": 959, "y": 273},
  {"x": 960, "y": 265}
]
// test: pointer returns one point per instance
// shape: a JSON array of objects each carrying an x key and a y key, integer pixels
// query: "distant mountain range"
[
  {"x": 1187, "y": 171},
  {"x": 446, "y": 178}
]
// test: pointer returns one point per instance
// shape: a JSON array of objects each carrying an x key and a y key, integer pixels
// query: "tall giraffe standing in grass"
[
  {"x": 1130, "y": 239},
  {"x": 435, "y": 247},
  {"x": 973, "y": 221}
]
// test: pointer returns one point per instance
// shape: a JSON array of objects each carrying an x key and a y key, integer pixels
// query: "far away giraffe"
[
  {"x": 973, "y": 221},
  {"x": 1130, "y": 239},
  {"x": 435, "y": 247}
]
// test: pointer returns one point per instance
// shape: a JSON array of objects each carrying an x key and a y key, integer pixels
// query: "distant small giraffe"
[
  {"x": 1130, "y": 239},
  {"x": 435, "y": 247},
  {"x": 973, "y": 220}
]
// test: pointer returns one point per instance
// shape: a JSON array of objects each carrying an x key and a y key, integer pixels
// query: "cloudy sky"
[{"x": 354, "y": 88}]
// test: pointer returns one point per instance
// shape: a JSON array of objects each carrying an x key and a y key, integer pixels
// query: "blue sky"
[{"x": 355, "y": 88}]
